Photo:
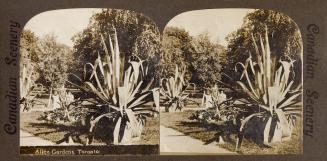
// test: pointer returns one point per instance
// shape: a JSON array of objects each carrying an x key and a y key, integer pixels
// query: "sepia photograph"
[
  {"x": 186, "y": 80},
  {"x": 89, "y": 83},
  {"x": 231, "y": 83},
  {"x": 106, "y": 81}
]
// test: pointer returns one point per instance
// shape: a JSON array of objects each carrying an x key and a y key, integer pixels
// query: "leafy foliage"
[
  {"x": 29, "y": 59},
  {"x": 137, "y": 34},
  {"x": 204, "y": 61},
  {"x": 54, "y": 62},
  {"x": 205, "y": 116},
  {"x": 176, "y": 46},
  {"x": 44, "y": 63},
  {"x": 198, "y": 54},
  {"x": 28, "y": 47},
  {"x": 58, "y": 116},
  {"x": 222, "y": 111}
]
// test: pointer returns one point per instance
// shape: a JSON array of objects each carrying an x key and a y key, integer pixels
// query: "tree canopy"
[
  {"x": 48, "y": 59},
  {"x": 284, "y": 36},
  {"x": 176, "y": 45},
  {"x": 137, "y": 36},
  {"x": 197, "y": 53},
  {"x": 55, "y": 59},
  {"x": 29, "y": 53},
  {"x": 205, "y": 61}
]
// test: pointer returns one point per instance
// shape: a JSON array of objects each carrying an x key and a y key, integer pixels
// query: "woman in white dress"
[{"x": 55, "y": 100}]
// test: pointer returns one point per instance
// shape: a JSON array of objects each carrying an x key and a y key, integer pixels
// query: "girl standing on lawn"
[{"x": 55, "y": 101}]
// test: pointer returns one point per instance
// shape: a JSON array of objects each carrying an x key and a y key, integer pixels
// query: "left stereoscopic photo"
[{"x": 88, "y": 83}]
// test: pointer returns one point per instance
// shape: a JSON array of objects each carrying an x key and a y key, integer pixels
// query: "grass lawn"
[
  {"x": 54, "y": 132},
  {"x": 180, "y": 122}
]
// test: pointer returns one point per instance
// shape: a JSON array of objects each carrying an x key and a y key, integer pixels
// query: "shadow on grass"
[
  {"x": 253, "y": 136},
  {"x": 227, "y": 131},
  {"x": 59, "y": 132},
  {"x": 70, "y": 133},
  {"x": 58, "y": 127}
]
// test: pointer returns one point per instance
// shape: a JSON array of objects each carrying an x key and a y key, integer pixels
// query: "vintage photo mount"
[{"x": 309, "y": 19}]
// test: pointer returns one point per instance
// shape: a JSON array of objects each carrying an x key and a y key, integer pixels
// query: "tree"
[
  {"x": 176, "y": 46},
  {"x": 28, "y": 53},
  {"x": 28, "y": 46},
  {"x": 284, "y": 36},
  {"x": 198, "y": 54},
  {"x": 28, "y": 73},
  {"x": 137, "y": 36},
  {"x": 204, "y": 61},
  {"x": 147, "y": 45},
  {"x": 55, "y": 58}
]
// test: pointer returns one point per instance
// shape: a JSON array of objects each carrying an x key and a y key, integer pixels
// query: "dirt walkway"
[
  {"x": 172, "y": 141},
  {"x": 27, "y": 139}
]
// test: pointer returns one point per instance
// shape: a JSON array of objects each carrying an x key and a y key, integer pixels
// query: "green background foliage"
[
  {"x": 199, "y": 54},
  {"x": 137, "y": 35},
  {"x": 206, "y": 61},
  {"x": 49, "y": 59},
  {"x": 284, "y": 36}
]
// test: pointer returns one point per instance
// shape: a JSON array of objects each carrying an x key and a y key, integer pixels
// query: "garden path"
[
  {"x": 27, "y": 139},
  {"x": 172, "y": 141}
]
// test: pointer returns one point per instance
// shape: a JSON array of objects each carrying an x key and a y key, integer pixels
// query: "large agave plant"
[
  {"x": 270, "y": 92},
  {"x": 173, "y": 90},
  {"x": 121, "y": 90}
]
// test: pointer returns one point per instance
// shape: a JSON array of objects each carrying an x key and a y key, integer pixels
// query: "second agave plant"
[
  {"x": 270, "y": 93},
  {"x": 173, "y": 90}
]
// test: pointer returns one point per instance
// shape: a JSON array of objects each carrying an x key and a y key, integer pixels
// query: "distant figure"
[
  {"x": 69, "y": 98},
  {"x": 214, "y": 90},
  {"x": 221, "y": 96},
  {"x": 55, "y": 100},
  {"x": 207, "y": 100}
]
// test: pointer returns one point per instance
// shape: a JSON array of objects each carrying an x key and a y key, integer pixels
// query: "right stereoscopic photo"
[{"x": 231, "y": 83}]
